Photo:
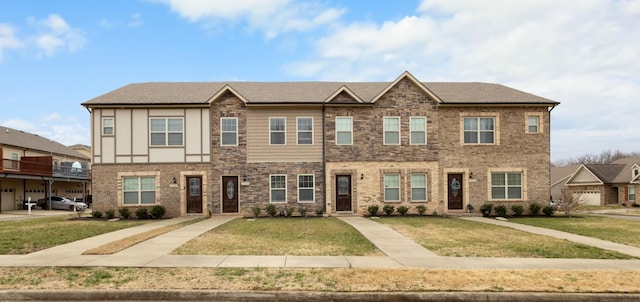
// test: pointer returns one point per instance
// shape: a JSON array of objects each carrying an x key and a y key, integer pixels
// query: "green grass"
[
  {"x": 618, "y": 230},
  {"x": 462, "y": 238},
  {"x": 281, "y": 236},
  {"x": 30, "y": 235}
]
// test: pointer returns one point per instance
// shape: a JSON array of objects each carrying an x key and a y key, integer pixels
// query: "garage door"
[
  {"x": 8, "y": 201},
  {"x": 591, "y": 198}
]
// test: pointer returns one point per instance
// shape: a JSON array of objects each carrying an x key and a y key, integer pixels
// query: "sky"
[{"x": 54, "y": 55}]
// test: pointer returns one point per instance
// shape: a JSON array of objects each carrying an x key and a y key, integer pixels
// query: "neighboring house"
[
  {"x": 36, "y": 167},
  {"x": 603, "y": 184},
  {"x": 558, "y": 179},
  {"x": 226, "y": 147}
]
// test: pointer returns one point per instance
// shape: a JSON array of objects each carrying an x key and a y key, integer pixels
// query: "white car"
[{"x": 62, "y": 203}]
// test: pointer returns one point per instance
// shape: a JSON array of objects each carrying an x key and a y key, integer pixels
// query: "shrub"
[
  {"x": 388, "y": 209},
  {"x": 271, "y": 210},
  {"x": 421, "y": 209},
  {"x": 534, "y": 208},
  {"x": 289, "y": 211},
  {"x": 485, "y": 209},
  {"x": 319, "y": 212},
  {"x": 302, "y": 211},
  {"x": 256, "y": 211},
  {"x": 124, "y": 213},
  {"x": 110, "y": 214},
  {"x": 96, "y": 214},
  {"x": 548, "y": 210},
  {"x": 435, "y": 213},
  {"x": 142, "y": 213},
  {"x": 501, "y": 210},
  {"x": 403, "y": 210},
  {"x": 517, "y": 210},
  {"x": 373, "y": 210},
  {"x": 158, "y": 211}
]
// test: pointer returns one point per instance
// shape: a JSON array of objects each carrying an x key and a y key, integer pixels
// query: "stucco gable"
[{"x": 583, "y": 176}]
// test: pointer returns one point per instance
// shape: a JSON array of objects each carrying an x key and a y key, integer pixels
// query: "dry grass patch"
[
  {"x": 281, "y": 236},
  {"x": 462, "y": 238}
]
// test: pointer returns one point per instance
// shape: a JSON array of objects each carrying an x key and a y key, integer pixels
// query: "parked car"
[
  {"x": 62, "y": 203},
  {"x": 89, "y": 200}
]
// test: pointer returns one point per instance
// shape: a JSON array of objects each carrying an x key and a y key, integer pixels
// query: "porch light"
[
  {"x": 361, "y": 176},
  {"x": 175, "y": 181},
  {"x": 471, "y": 175},
  {"x": 244, "y": 178}
]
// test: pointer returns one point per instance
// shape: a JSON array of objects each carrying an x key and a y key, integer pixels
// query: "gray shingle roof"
[
  {"x": 21, "y": 139},
  {"x": 560, "y": 173}
]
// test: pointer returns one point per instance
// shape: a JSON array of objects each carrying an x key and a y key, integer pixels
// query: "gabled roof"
[
  {"x": 584, "y": 176},
  {"x": 24, "y": 140},
  {"x": 200, "y": 93},
  {"x": 618, "y": 172},
  {"x": 561, "y": 174}
]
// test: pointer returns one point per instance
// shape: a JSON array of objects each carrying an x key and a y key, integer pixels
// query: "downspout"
[
  {"x": 549, "y": 174},
  {"x": 324, "y": 161}
]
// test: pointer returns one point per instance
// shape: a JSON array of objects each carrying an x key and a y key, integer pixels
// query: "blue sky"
[{"x": 55, "y": 55}]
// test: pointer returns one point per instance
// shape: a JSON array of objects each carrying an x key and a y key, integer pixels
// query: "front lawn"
[
  {"x": 31, "y": 235},
  {"x": 281, "y": 236},
  {"x": 462, "y": 238}
]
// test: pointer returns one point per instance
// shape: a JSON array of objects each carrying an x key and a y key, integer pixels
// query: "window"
[
  {"x": 532, "y": 124},
  {"x": 305, "y": 130},
  {"x": 166, "y": 131},
  {"x": 392, "y": 187},
  {"x": 277, "y": 132},
  {"x": 391, "y": 127},
  {"x": 107, "y": 126},
  {"x": 418, "y": 187},
  {"x": 479, "y": 130},
  {"x": 418, "y": 130},
  {"x": 139, "y": 190},
  {"x": 344, "y": 130},
  {"x": 306, "y": 188},
  {"x": 506, "y": 186},
  {"x": 631, "y": 192},
  {"x": 15, "y": 158},
  {"x": 278, "y": 187},
  {"x": 229, "y": 131}
]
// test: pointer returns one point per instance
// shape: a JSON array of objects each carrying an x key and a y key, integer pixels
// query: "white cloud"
[
  {"x": 67, "y": 131},
  {"x": 8, "y": 39},
  {"x": 274, "y": 17}
]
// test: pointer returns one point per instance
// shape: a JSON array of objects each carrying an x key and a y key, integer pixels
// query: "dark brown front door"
[
  {"x": 229, "y": 194},
  {"x": 454, "y": 185},
  {"x": 194, "y": 194},
  {"x": 343, "y": 192}
]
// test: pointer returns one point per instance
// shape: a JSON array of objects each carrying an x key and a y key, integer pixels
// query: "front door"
[
  {"x": 194, "y": 194},
  {"x": 343, "y": 192},
  {"x": 454, "y": 185},
  {"x": 229, "y": 194}
]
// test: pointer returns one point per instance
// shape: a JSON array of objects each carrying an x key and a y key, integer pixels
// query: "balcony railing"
[{"x": 43, "y": 166}]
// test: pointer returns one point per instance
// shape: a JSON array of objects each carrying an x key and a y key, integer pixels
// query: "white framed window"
[
  {"x": 304, "y": 127},
  {"x": 631, "y": 192},
  {"x": 277, "y": 131},
  {"x": 419, "y": 187},
  {"x": 392, "y": 187},
  {"x": 344, "y": 130},
  {"x": 306, "y": 188},
  {"x": 229, "y": 131},
  {"x": 479, "y": 130},
  {"x": 533, "y": 124},
  {"x": 15, "y": 158},
  {"x": 278, "y": 188},
  {"x": 107, "y": 126},
  {"x": 138, "y": 190},
  {"x": 391, "y": 130},
  {"x": 418, "y": 127},
  {"x": 166, "y": 131},
  {"x": 506, "y": 186}
]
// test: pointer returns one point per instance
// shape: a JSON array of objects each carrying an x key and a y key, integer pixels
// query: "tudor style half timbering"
[{"x": 336, "y": 146}]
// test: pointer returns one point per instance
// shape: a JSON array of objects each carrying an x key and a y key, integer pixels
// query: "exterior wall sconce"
[
  {"x": 471, "y": 175},
  {"x": 361, "y": 176},
  {"x": 175, "y": 181},
  {"x": 244, "y": 178}
]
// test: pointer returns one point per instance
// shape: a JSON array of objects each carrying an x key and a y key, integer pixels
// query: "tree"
[
  {"x": 570, "y": 203},
  {"x": 605, "y": 157}
]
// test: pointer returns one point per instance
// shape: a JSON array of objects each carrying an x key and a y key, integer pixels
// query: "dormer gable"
[
  {"x": 410, "y": 77},
  {"x": 227, "y": 89},
  {"x": 583, "y": 176},
  {"x": 635, "y": 171},
  {"x": 344, "y": 95}
]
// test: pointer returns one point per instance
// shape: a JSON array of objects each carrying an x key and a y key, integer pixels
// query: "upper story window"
[
  {"x": 344, "y": 130},
  {"x": 14, "y": 160},
  {"x": 391, "y": 127},
  {"x": 107, "y": 126},
  {"x": 229, "y": 131},
  {"x": 418, "y": 127},
  {"x": 138, "y": 190},
  {"x": 278, "y": 188},
  {"x": 533, "y": 124},
  {"x": 479, "y": 130},
  {"x": 305, "y": 130},
  {"x": 392, "y": 187},
  {"x": 277, "y": 130},
  {"x": 167, "y": 131},
  {"x": 506, "y": 186}
]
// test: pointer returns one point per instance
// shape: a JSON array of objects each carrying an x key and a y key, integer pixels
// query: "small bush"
[
  {"x": 435, "y": 213},
  {"x": 373, "y": 210},
  {"x": 534, "y": 209},
  {"x": 486, "y": 208},
  {"x": 142, "y": 213},
  {"x": 96, "y": 214},
  {"x": 289, "y": 211},
  {"x": 271, "y": 210},
  {"x": 517, "y": 210},
  {"x": 302, "y": 211},
  {"x": 403, "y": 210},
  {"x": 157, "y": 211},
  {"x": 110, "y": 214},
  {"x": 548, "y": 210},
  {"x": 124, "y": 213},
  {"x": 319, "y": 212},
  {"x": 421, "y": 209},
  {"x": 388, "y": 209},
  {"x": 501, "y": 210},
  {"x": 256, "y": 211}
]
